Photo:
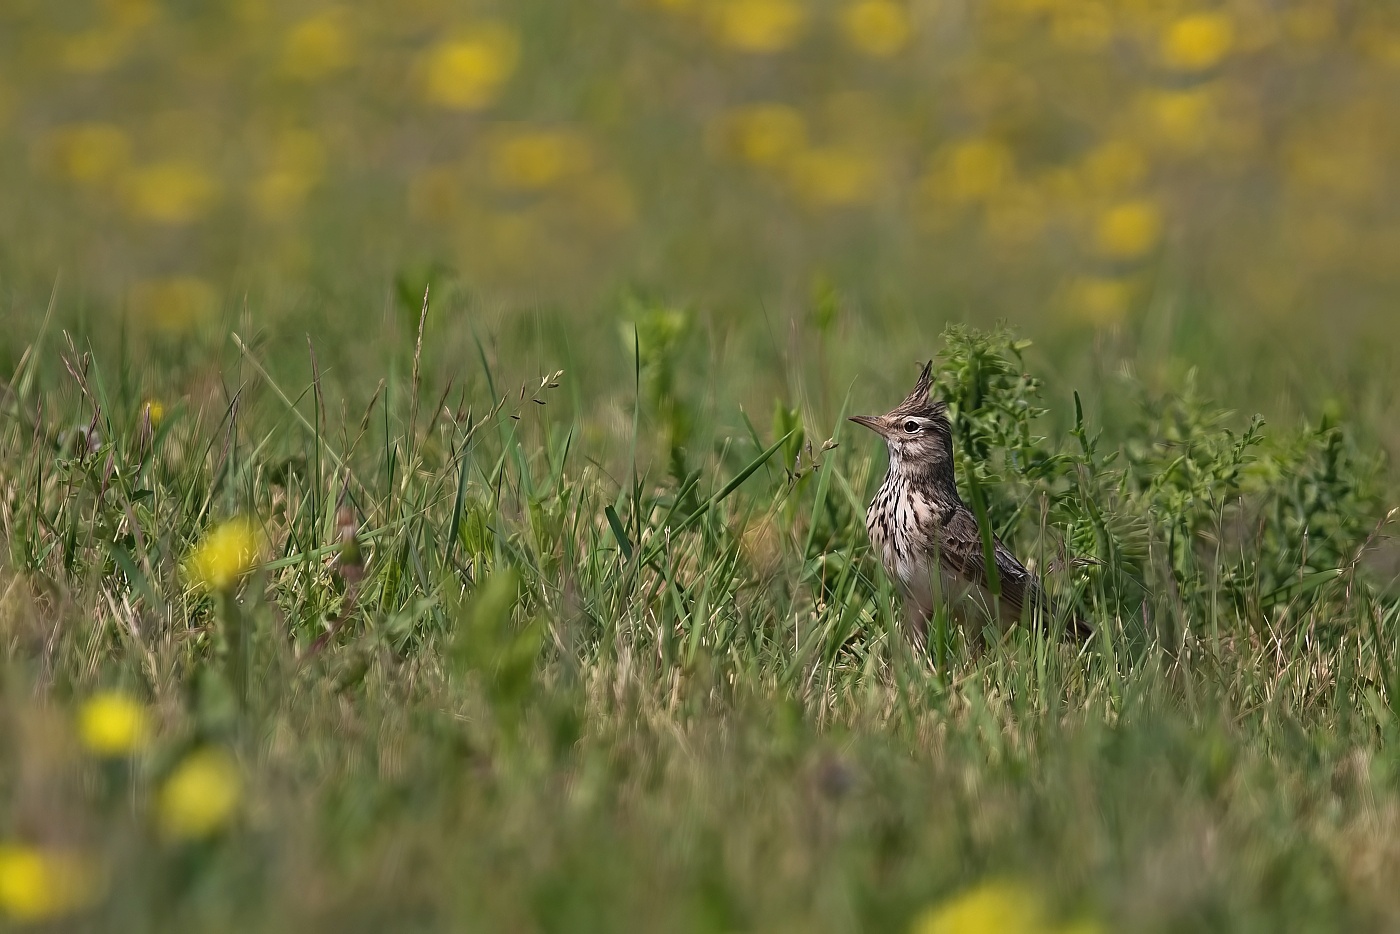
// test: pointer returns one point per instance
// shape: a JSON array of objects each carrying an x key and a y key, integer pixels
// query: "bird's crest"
[{"x": 920, "y": 400}]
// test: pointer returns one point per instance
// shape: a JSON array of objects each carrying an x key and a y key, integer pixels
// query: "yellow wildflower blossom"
[
  {"x": 1198, "y": 42},
  {"x": 131, "y": 14},
  {"x": 173, "y": 304},
  {"x": 1185, "y": 119},
  {"x": 86, "y": 153},
  {"x": 1115, "y": 166},
  {"x": 830, "y": 176},
  {"x": 990, "y": 908},
  {"x": 1083, "y": 26},
  {"x": 763, "y": 135},
  {"x": 154, "y": 412},
  {"x": 1128, "y": 230},
  {"x": 95, "y": 51},
  {"x": 295, "y": 169},
  {"x": 759, "y": 25},
  {"x": 879, "y": 28},
  {"x": 531, "y": 160},
  {"x": 317, "y": 47},
  {"x": 976, "y": 169},
  {"x": 1099, "y": 300},
  {"x": 467, "y": 73},
  {"x": 200, "y": 796},
  {"x": 112, "y": 724},
  {"x": 173, "y": 192},
  {"x": 39, "y": 885},
  {"x": 224, "y": 556}
]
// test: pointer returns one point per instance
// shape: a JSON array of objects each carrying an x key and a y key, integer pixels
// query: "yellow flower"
[
  {"x": 1082, "y": 25},
  {"x": 131, "y": 14},
  {"x": 467, "y": 73},
  {"x": 977, "y": 169},
  {"x": 759, "y": 25},
  {"x": 434, "y": 195},
  {"x": 295, "y": 169},
  {"x": 1128, "y": 230},
  {"x": 990, "y": 908},
  {"x": 173, "y": 192},
  {"x": 112, "y": 724},
  {"x": 317, "y": 47},
  {"x": 1017, "y": 215},
  {"x": 1115, "y": 166},
  {"x": 531, "y": 160},
  {"x": 39, "y": 885},
  {"x": 94, "y": 51},
  {"x": 1198, "y": 41},
  {"x": 86, "y": 153},
  {"x": 763, "y": 135},
  {"x": 224, "y": 556},
  {"x": 1183, "y": 118},
  {"x": 833, "y": 177},
  {"x": 171, "y": 304},
  {"x": 200, "y": 796},
  {"x": 879, "y": 28},
  {"x": 1098, "y": 300},
  {"x": 154, "y": 412},
  {"x": 606, "y": 201}
]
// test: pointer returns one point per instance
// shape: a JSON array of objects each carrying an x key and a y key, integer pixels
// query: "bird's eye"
[{"x": 911, "y": 426}]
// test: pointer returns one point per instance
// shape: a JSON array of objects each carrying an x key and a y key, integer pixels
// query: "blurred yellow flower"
[
  {"x": 154, "y": 412},
  {"x": 173, "y": 192},
  {"x": 200, "y": 796},
  {"x": 879, "y": 28},
  {"x": 1198, "y": 41},
  {"x": 224, "y": 556},
  {"x": 94, "y": 51},
  {"x": 976, "y": 169},
  {"x": 831, "y": 176},
  {"x": 531, "y": 160},
  {"x": 1128, "y": 230},
  {"x": 1184, "y": 119},
  {"x": 606, "y": 201},
  {"x": 1017, "y": 215},
  {"x": 112, "y": 724},
  {"x": 38, "y": 885},
  {"x": 1115, "y": 166},
  {"x": 434, "y": 194},
  {"x": 296, "y": 168},
  {"x": 1099, "y": 300},
  {"x": 467, "y": 73},
  {"x": 1083, "y": 25},
  {"x": 990, "y": 908},
  {"x": 1311, "y": 22},
  {"x": 85, "y": 153},
  {"x": 173, "y": 304},
  {"x": 763, "y": 135},
  {"x": 317, "y": 47},
  {"x": 759, "y": 25},
  {"x": 131, "y": 14}
]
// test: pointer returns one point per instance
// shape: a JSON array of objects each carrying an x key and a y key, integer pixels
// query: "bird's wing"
[{"x": 961, "y": 553}]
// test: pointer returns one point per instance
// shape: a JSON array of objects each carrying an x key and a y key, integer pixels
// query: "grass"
[{"x": 530, "y": 655}]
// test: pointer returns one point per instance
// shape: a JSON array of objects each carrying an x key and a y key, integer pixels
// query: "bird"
[{"x": 926, "y": 537}]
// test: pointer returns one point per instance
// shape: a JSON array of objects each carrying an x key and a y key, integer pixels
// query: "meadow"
[{"x": 428, "y": 501}]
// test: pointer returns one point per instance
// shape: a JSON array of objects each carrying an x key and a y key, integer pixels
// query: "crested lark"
[{"x": 927, "y": 538}]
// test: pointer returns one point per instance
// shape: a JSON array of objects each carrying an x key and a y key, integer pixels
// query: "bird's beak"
[{"x": 869, "y": 421}]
